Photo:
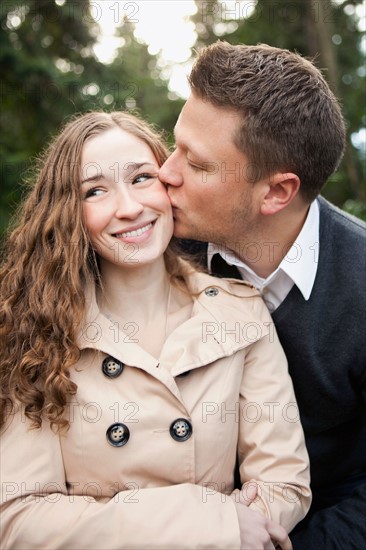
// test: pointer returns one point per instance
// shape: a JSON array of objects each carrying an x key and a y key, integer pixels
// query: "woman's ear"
[{"x": 281, "y": 191}]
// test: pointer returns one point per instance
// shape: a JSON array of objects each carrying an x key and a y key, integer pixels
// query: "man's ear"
[{"x": 281, "y": 189}]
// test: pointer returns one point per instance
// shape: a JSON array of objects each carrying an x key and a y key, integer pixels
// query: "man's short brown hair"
[{"x": 291, "y": 120}]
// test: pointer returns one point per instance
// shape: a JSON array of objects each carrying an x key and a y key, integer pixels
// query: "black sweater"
[{"x": 324, "y": 341}]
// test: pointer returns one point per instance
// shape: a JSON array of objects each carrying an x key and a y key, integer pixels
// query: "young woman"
[{"x": 132, "y": 384}]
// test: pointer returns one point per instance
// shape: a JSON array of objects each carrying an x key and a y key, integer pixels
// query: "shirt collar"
[{"x": 300, "y": 263}]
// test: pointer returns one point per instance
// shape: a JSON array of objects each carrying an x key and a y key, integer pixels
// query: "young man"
[{"x": 255, "y": 143}]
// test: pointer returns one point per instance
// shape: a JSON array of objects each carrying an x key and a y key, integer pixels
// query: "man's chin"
[{"x": 181, "y": 232}]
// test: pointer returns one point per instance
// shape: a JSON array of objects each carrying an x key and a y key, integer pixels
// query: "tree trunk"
[{"x": 321, "y": 15}]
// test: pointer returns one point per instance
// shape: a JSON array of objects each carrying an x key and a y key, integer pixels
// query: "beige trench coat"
[{"x": 224, "y": 374}]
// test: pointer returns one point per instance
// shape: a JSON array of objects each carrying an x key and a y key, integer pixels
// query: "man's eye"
[{"x": 195, "y": 167}]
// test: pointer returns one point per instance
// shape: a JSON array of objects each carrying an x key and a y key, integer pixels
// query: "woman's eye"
[
  {"x": 143, "y": 177},
  {"x": 94, "y": 192}
]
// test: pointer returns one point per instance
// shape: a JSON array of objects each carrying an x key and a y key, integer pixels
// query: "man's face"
[{"x": 207, "y": 177}]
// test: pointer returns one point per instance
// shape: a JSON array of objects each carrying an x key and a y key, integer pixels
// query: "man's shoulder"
[
  {"x": 342, "y": 248},
  {"x": 341, "y": 221}
]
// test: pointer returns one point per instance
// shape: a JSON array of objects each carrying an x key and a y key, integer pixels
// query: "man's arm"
[{"x": 340, "y": 526}]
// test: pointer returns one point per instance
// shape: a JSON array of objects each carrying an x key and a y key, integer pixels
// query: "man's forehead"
[
  {"x": 200, "y": 124},
  {"x": 189, "y": 137}
]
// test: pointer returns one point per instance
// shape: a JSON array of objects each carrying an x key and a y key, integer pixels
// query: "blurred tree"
[
  {"x": 144, "y": 87},
  {"x": 325, "y": 30},
  {"x": 44, "y": 51},
  {"x": 50, "y": 72}
]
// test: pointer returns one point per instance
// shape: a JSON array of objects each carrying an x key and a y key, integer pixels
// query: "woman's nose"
[{"x": 128, "y": 205}]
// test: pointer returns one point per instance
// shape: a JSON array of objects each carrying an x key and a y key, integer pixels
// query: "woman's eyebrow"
[
  {"x": 96, "y": 177},
  {"x": 129, "y": 168}
]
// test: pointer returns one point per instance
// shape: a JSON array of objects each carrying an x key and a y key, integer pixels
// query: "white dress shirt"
[{"x": 298, "y": 267}]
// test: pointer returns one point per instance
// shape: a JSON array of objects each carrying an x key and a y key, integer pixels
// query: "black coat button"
[
  {"x": 181, "y": 429},
  {"x": 118, "y": 434},
  {"x": 211, "y": 291},
  {"x": 111, "y": 367}
]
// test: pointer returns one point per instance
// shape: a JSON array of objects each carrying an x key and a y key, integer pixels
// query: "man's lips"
[
  {"x": 171, "y": 201},
  {"x": 174, "y": 206}
]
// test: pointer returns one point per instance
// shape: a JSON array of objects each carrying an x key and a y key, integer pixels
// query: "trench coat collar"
[{"x": 224, "y": 320}]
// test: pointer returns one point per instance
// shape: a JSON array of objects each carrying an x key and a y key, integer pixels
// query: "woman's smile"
[{"x": 138, "y": 234}]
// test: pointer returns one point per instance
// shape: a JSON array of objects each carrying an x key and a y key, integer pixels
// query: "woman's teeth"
[{"x": 137, "y": 232}]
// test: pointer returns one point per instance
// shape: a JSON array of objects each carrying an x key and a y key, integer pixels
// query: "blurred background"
[{"x": 61, "y": 57}]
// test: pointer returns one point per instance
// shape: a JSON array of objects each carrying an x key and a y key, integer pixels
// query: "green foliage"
[
  {"x": 147, "y": 91},
  {"x": 324, "y": 31},
  {"x": 50, "y": 73}
]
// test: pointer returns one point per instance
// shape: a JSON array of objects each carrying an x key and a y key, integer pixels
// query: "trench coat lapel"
[{"x": 218, "y": 327}]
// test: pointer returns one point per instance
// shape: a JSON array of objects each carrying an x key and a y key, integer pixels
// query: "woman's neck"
[
  {"x": 134, "y": 294},
  {"x": 144, "y": 296}
]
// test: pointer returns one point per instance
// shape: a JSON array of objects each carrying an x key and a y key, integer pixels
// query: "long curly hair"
[{"x": 47, "y": 264}]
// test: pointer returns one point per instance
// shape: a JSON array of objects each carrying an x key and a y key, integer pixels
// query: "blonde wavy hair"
[{"x": 47, "y": 263}]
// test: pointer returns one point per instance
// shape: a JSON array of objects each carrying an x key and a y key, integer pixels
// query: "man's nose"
[{"x": 170, "y": 173}]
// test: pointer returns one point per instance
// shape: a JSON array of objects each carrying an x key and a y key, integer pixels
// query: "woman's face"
[{"x": 126, "y": 209}]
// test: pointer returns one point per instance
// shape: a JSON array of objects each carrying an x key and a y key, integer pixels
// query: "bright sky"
[{"x": 162, "y": 24}]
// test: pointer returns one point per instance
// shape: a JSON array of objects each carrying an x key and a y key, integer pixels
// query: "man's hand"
[{"x": 256, "y": 531}]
